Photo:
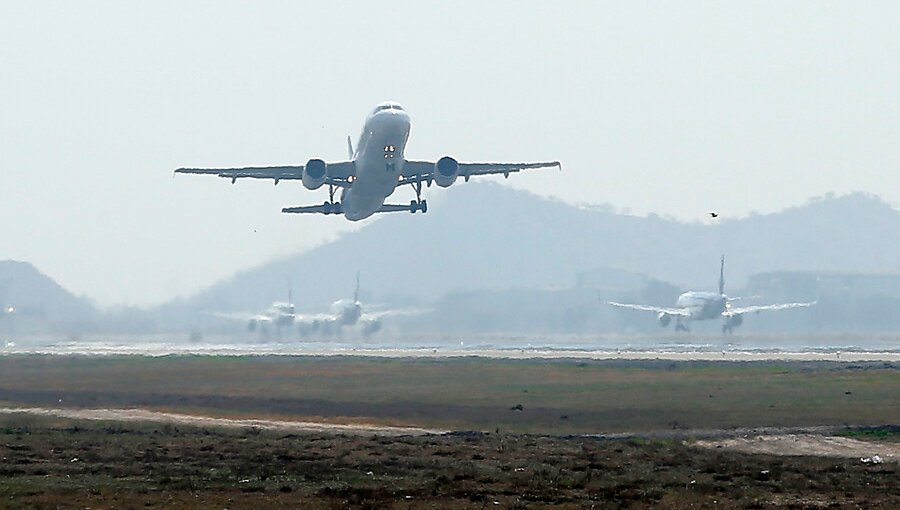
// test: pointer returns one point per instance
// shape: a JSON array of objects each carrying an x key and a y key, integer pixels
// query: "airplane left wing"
[
  {"x": 764, "y": 308},
  {"x": 418, "y": 171}
]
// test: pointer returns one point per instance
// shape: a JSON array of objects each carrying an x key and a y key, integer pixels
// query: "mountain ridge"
[{"x": 488, "y": 237}]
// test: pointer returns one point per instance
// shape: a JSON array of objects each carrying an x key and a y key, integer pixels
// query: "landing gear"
[
  {"x": 331, "y": 207},
  {"x": 418, "y": 204}
]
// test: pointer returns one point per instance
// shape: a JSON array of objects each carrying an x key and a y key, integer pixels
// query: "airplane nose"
[{"x": 393, "y": 117}]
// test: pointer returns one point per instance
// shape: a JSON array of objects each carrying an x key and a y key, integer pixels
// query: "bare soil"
[
  {"x": 50, "y": 462},
  {"x": 808, "y": 444}
]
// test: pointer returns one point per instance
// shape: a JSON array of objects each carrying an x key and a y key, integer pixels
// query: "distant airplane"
[
  {"x": 279, "y": 315},
  {"x": 375, "y": 169},
  {"x": 343, "y": 313},
  {"x": 698, "y": 306}
]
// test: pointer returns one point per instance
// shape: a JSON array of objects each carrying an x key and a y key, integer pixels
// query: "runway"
[{"x": 673, "y": 352}]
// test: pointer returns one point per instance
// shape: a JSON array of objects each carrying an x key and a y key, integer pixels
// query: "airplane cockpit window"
[{"x": 387, "y": 106}]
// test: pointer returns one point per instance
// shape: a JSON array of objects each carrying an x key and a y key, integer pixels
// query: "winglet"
[{"x": 349, "y": 147}]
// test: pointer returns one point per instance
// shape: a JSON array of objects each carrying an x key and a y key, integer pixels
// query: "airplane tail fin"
[
  {"x": 722, "y": 276},
  {"x": 349, "y": 147}
]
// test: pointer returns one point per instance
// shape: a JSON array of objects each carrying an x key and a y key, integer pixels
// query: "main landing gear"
[
  {"x": 418, "y": 204},
  {"x": 331, "y": 207}
]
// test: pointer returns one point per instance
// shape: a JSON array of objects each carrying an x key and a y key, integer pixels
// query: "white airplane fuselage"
[
  {"x": 378, "y": 160},
  {"x": 703, "y": 305},
  {"x": 346, "y": 312}
]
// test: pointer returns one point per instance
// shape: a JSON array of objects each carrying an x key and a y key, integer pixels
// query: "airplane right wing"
[
  {"x": 243, "y": 317},
  {"x": 379, "y": 314},
  {"x": 338, "y": 173},
  {"x": 682, "y": 312}
]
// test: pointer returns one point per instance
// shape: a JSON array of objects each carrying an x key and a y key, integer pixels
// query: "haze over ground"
[
  {"x": 843, "y": 252},
  {"x": 673, "y": 109}
]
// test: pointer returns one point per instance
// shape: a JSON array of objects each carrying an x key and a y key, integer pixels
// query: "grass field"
[{"x": 551, "y": 397}]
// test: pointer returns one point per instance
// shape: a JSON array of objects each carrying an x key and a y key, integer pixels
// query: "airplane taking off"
[
  {"x": 375, "y": 169},
  {"x": 698, "y": 306}
]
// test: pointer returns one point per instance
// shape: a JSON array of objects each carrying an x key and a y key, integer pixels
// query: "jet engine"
[
  {"x": 664, "y": 319},
  {"x": 314, "y": 174},
  {"x": 445, "y": 171}
]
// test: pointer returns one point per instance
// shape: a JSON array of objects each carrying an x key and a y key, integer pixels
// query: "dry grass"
[
  {"x": 557, "y": 397},
  {"x": 53, "y": 463}
]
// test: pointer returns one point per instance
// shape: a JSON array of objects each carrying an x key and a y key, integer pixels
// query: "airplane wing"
[
  {"x": 243, "y": 317},
  {"x": 683, "y": 312},
  {"x": 764, "y": 308},
  {"x": 338, "y": 172},
  {"x": 310, "y": 318},
  {"x": 379, "y": 314},
  {"x": 418, "y": 171}
]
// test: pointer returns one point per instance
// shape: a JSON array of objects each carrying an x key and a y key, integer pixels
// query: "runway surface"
[{"x": 673, "y": 352}]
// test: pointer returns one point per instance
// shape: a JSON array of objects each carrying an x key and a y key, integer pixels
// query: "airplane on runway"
[
  {"x": 279, "y": 315},
  {"x": 698, "y": 306},
  {"x": 374, "y": 170},
  {"x": 343, "y": 313}
]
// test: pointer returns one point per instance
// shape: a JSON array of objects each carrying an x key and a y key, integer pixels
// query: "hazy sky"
[{"x": 669, "y": 107}]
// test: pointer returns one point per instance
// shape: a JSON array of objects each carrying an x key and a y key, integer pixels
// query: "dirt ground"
[
  {"x": 817, "y": 443},
  {"x": 50, "y": 462},
  {"x": 142, "y": 415},
  {"x": 307, "y": 432},
  {"x": 808, "y": 444}
]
